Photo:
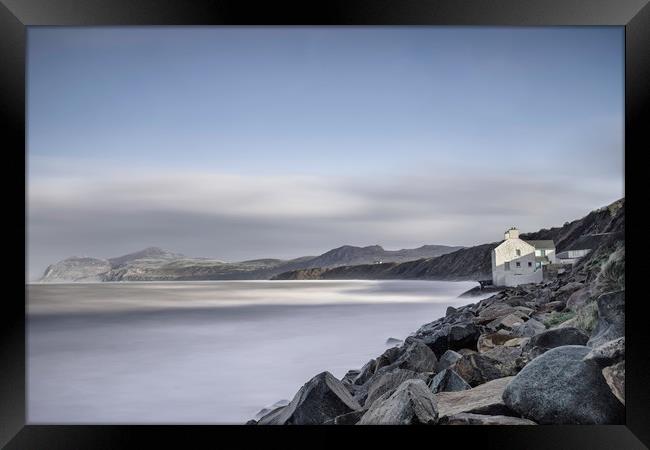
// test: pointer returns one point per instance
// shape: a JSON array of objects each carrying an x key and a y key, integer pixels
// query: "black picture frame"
[{"x": 16, "y": 15}]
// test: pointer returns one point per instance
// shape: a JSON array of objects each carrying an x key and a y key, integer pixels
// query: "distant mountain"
[
  {"x": 156, "y": 264},
  {"x": 349, "y": 255},
  {"x": 148, "y": 253},
  {"x": 598, "y": 228}
]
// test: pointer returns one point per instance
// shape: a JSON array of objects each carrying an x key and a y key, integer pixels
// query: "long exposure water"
[{"x": 207, "y": 352}]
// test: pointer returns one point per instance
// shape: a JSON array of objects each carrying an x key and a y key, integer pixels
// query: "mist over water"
[{"x": 207, "y": 352}]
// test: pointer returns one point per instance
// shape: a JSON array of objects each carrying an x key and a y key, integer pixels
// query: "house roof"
[{"x": 545, "y": 244}]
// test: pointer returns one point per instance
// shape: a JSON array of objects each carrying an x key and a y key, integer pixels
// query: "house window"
[
  {"x": 542, "y": 252},
  {"x": 518, "y": 252},
  {"x": 530, "y": 264},
  {"x": 518, "y": 264},
  {"x": 506, "y": 265}
]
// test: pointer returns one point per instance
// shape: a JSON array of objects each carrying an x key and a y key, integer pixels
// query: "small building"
[
  {"x": 516, "y": 261},
  {"x": 572, "y": 256}
]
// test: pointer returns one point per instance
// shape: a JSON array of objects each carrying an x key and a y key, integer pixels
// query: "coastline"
[{"x": 522, "y": 356}]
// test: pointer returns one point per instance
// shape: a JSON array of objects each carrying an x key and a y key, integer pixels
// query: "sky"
[{"x": 246, "y": 142}]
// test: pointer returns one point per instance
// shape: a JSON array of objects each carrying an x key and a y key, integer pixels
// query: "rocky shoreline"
[{"x": 550, "y": 353}]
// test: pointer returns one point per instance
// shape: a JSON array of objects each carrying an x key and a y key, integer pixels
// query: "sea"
[{"x": 213, "y": 352}]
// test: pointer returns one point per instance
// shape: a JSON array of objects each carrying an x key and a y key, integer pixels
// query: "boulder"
[
  {"x": 436, "y": 340},
  {"x": 578, "y": 299},
  {"x": 507, "y": 357},
  {"x": 417, "y": 357},
  {"x": 263, "y": 412},
  {"x": 393, "y": 341},
  {"x": 350, "y": 376},
  {"x": 389, "y": 381},
  {"x": 553, "y": 338},
  {"x": 482, "y": 419},
  {"x": 611, "y": 318},
  {"x": 608, "y": 353},
  {"x": 507, "y": 322},
  {"x": 448, "y": 359},
  {"x": 448, "y": 381},
  {"x": 320, "y": 399},
  {"x": 528, "y": 328},
  {"x": 414, "y": 356},
  {"x": 454, "y": 337},
  {"x": 489, "y": 341},
  {"x": 450, "y": 310},
  {"x": 388, "y": 357},
  {"x": 564, "y": 292},
  {"x": 365, "y": 373},
  {"x": 463, "y": 335},
  {"x": 477, "y": 369},
  {"x": 558, "y": 387},
  {"x": 493, "y": 312},
  {"x": 483, "y": 399},
  {"x": 411, "y": 403},
  {"x": 615, "y": 378}
]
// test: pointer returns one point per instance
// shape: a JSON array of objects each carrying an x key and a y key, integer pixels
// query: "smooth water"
[{"x": 207, "y": 352}]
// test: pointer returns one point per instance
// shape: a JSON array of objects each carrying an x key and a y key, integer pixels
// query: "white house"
[
  {"x": 516, "y": 261},
  {"x": 572, "y": 256}
]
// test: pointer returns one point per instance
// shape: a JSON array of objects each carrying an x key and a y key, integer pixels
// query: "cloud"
[{"x": 236, "y": 217}]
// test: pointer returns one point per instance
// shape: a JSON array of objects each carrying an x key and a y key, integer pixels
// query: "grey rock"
[
  {"x": 608, "y": 353},
  {"x": 417, "y": 357},
  {"x": 611, "y": 318},
  {"x": 365, "y": 373},
  {"x": 448, "y": 381},
  {"x": 454, "y": 337},
  {"x": 553, "y": 338},
  {"x": 489, "y": 341},
  {"x": 320, "y": 399},
  {"x": 450, "y": 310},
  {"x": 273, "y": 407},
  {"x": 508, "y": 357},
  {"x": 390, "y": 381},
  {"x": 492, "y": 312},
  {"x": 508, "y": 322},
  {"x": 559, "y": 387},
  {"x": 350, "y": 376},
  {"x": 393, "y": 341},
  {"x": 482, "y": 419},
  {"x": 483, "y": 399},
  {"x": 411, "y": 403},
  {"x": 615, "y": 378},
  {"x": 448, "y": 359},
  {"x": 477, "y": 369},
  {"x": 577, "y": 299}
]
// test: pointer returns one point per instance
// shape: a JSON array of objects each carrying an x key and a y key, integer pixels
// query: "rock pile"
[{"x": 523, "y": 356}]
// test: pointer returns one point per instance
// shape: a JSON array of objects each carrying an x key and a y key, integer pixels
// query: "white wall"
[
  {"x": 550, "y": 254},
  {"x": 506, "y": 252}
]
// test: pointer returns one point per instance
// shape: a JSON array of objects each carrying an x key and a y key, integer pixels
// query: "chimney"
[{"x": 512, "y": 233}]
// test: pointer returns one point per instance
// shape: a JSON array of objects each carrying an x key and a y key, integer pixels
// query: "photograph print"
[{"x": 325, "y": 225}]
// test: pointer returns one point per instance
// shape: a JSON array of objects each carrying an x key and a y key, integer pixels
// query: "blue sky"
[{"x": 278, "y": 141}]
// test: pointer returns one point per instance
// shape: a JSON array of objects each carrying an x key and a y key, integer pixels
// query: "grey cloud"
[{"x": 239, "y": 217}]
